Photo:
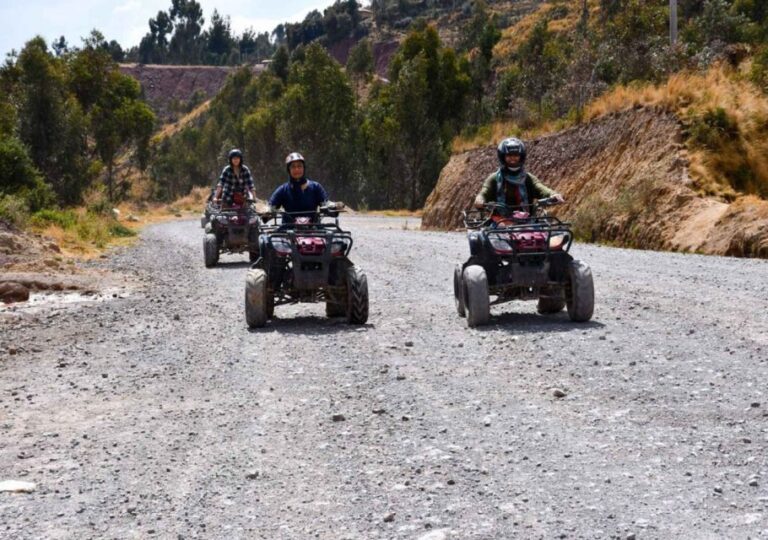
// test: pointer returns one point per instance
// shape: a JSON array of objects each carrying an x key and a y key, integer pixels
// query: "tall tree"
[
  {"x": 219, "y": 39},
  {"x": 186, "y": 44}
]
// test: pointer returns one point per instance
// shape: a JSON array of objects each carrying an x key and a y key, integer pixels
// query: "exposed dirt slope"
[
  {"x": 383, "y": 51},
  {"x": 626, "y": 180},
  {"x": 163, "y": 85}
]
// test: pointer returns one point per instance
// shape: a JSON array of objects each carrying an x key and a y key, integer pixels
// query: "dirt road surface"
[{"x": 157, "y": 414}]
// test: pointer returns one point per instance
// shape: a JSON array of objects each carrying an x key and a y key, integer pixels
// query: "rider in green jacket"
[{"x": 511, "y": 184}]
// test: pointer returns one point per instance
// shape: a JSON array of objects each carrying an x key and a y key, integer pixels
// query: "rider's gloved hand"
[
  {"x": 559, "y": 198},
  {"x": 269, "y": 214}
]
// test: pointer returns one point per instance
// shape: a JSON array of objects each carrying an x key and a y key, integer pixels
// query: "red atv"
[
  {"x": 231, "y": 229},
  {"x": 305, "y": 259},
  {"x": 520, "y": 253}
]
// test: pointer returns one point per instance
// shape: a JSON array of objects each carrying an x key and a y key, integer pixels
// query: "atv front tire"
[
  {"x": 257, "y": 305},
  {"x": 210, "y": 250},
  {"x": 477, "y": 302},
  {"x": 550, "y": 305},
  {"x": 357, "y": 296},
  {"x": 458, "y": 291},
  {"x": 580, "y": 293}
]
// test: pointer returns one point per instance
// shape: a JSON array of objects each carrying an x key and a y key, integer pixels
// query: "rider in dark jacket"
[
  {"x": 511, "y": 184},
  {"x": 298, "y": 194}
]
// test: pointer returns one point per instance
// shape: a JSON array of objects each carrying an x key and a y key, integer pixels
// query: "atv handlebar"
[
  {"x": 475, "y": 218},
  {"x": 328, "y": 210},
  {"x": 539, "y": 203}
]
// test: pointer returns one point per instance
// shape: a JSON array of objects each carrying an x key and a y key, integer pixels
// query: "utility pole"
[{"x": 673, "y": 22}]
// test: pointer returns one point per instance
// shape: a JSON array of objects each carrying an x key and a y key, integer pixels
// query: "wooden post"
[{"x": 672, "y": 22}]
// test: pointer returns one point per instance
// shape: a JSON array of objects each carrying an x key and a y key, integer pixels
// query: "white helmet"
[{"x": 294, "y": 156}]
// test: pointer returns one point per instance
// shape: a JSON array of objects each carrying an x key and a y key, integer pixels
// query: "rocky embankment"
[{"x": 625, "y": 177}]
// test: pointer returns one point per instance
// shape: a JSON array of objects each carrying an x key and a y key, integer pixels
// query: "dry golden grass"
[
  {"x": 495, "y": 132},
  {"x": 739, "y": 160},
  {"x": 172, "y": 129},
  {"x": 733, "y": 162},
  {"x": 514, "y": 36},
  {"x": 91, "y": 235}
]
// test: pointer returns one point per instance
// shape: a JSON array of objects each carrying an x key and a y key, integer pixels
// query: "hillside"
[
  {"x": 626, "y": 178},
  {"x": 169, "y": 86}
]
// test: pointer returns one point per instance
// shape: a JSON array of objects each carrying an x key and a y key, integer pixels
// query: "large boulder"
[{"x": 11, "y": 291}]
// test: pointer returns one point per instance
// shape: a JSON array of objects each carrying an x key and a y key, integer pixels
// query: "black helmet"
[
  {"x": 511, "y": 146},
  {"x": 235, "y": 152}
]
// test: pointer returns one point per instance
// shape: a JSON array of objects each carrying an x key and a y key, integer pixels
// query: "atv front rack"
[
  {"x": 551, "y": 226},
  {"x": 502, "y": 226}
]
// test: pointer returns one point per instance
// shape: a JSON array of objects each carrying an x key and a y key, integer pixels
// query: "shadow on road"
[
  {"x": 309, "y": 325},
  {"x": 536, "y": 323}
]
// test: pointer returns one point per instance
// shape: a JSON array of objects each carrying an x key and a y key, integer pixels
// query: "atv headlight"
[
  {"x": 557, "y": 241},
  {"x": 281, "y": 246},
  {"x": 500, "y": 245}
]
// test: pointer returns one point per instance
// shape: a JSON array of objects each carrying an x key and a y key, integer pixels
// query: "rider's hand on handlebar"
[{"x": 559, "y": 198}]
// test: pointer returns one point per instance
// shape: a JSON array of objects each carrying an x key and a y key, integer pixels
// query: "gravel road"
[{"x": 158, "y": 414}]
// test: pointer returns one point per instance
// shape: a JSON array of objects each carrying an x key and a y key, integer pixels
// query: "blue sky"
[{"x": 126, "y": 20}]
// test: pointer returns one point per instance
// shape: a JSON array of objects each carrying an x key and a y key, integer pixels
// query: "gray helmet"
[
  {"x": 511, "y": 146},
  {"x": 294, "y": 156}
]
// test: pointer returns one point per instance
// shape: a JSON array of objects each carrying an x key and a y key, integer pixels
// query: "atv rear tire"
[
  {"x": 257, "y": 304},
  {"x": 357, "y": 296},
  {"x": 580, "y": 293},
  {"x": 477, "y": 302},
  {"x": 458, "y": 291},
  {"x": 335, "y": 310},
  {"x": 549, "y": 305},
  {"x": 210, "y": 250}
]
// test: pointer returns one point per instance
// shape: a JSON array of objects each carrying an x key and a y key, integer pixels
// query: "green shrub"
[
  {"x": 759, "y": 73},
  {"x": 19, "y": 177},
  {"x": 66, "y": 219},
  {"x": 118, "y": 230},
  {"x": 712, "y": 128},
  {"x": 14, "y": 210}
]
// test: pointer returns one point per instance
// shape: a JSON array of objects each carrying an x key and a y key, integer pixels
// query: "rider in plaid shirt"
[{"x": 235, "y": 178}]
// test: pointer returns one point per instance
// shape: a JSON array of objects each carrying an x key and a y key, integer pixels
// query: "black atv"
[
  {"x": 233, "y": 229},
  {"x": 305, "y": 259},
  {"x": 520, "y": 253}
]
